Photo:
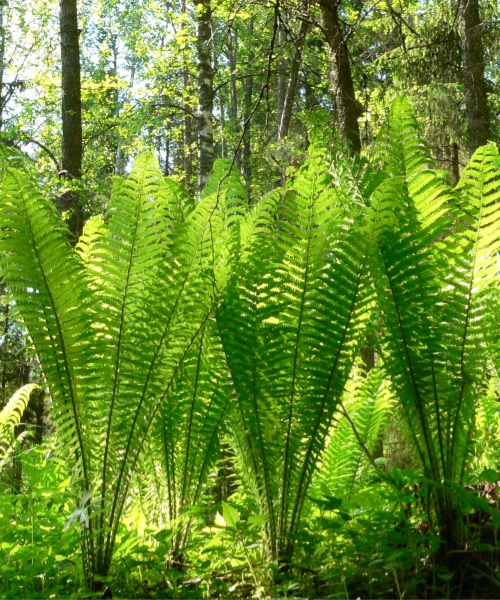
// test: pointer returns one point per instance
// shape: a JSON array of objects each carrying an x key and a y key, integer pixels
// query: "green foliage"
[
  {"x": 290, "y": 340},
  {"x": 434, "y": 272},
  {"x": 175, "y": 325},
  {"x": 111, "y": 322},
  {"x": 367, "y": 403},
  {"x": 38, "y": 558},
  {"x": 10, "y": 416}
]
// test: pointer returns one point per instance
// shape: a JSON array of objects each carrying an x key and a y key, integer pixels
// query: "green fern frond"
[
  {"x": 11, "y": 416},
  {"x": 48, "y": 285},
  {"x": 369, "y": 402},
  {"x": 437, "y": 295},
  {"x": 473, "y": 253},
  {"x": 13, "y": 158},
  {"x": 486, "y": 453},
  {"x": 290, "y": 339},
  {"x": 401, "y": 151},
  {"x": 199, "y": 400},
  {"x": 112, "y": 322}
]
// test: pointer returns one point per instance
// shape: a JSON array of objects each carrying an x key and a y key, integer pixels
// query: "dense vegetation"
[
  {"x": 212, "y": 415},
  {"x": 249, "y": 299}
]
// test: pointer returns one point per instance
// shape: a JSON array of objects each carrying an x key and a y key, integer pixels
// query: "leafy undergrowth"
[
  {"x": 39, "y": 558},
  {"x": 376, "y": 545}
]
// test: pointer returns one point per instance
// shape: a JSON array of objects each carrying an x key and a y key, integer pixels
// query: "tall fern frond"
[
  {"x": 290, "y": 337},
  {"x": 473, "y": 250},
  {"x": 401, "y": 151},
  {"x": 112, "y": 321},
  {"x": 185, "y": 433},
  {"x": 48, "y": 286},
  {"x": 436, "y": 292}
]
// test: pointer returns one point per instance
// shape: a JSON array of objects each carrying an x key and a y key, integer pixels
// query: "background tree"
[
  {"x": 476, "y": 101},
  {"x": 205, "y": 79},
  {"x": 71, "y": 110}
]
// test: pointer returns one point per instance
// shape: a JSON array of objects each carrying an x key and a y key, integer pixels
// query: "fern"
[
  {"x": 486, "y": 431},
  {"x": 369, "y": 402},
  {"x": 112, "y": 322},
  {"x": 185, "y": 434},
  {"x": 11, "y": 416},
  {"x": 401, "y": 152},
  {"x": 290, "y": 339},
  {"x": 434, "y": 278}
]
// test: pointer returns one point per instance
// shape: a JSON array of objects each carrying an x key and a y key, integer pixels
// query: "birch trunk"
[{"x": 205, "y": 92}]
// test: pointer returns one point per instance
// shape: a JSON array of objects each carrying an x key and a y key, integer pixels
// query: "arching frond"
[
  {"x": 48, "y": 286},
  {"x": 436, "y": 294},
  {"x": 401, "y": 151},
  {"x": 11, "y": 416},
  {"x": 112, "y": 321},
  {"x": 290, "y": 339},
  {"x": 368, "y": 400}
]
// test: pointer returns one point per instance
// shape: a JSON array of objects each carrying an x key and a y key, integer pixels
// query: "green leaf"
[
  {"x": 230, "y": 514},
  {"x": 219, "y": 521},
  {"x": 329, "y": 503},
  {"x": 490, "y": 476}
]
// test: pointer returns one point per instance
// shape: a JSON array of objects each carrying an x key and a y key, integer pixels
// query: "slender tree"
[
  {"x": 341, "y": 81},
  {"x": 248, "y": 87},
  {"x": 3, "y": 6},
  {"x": 71, "y": 109},
  {"x": 285, "y": 117},
  {"x": 473, "y": 74},
  {"x": 205, "y": 92}
]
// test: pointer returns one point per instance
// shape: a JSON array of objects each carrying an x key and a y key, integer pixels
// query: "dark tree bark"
[
  {"x": 235, "y": 128},
  {"x": 72, "y": 146},
  {"x": 286, "y": 113},
  {"x": 479, "y": 131},
  {"x": 247, "y": 146},
  {"x": 3, "y": 349},
  {"x": 205, "y": 92},
  {"x": 346, "y": 106},
  {"x": 282, "y": 70}
]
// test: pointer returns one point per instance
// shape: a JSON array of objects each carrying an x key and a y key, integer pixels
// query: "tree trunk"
[
  {"x": 247, "y": 112},
  {"x": 166, "y": 169},
  {"x": 247, "y": 146},
  {"x": 121, "y": 158},
  {"x": 205, "y": 93},
  {"x": 187, "y": 126},
  {"x": 3, "y": 6},
  {"x": 234, "y": 129},
  {"x": 282, "y": 71},
  {"x": 346, "y": 106},
  {"x": 222, "y": 109},
  {"x": 72, "y": 146},
  {"x": 286, "y": 113},
  {"x": 3, "y": 348},
  {"x": 473, "y": 74}
]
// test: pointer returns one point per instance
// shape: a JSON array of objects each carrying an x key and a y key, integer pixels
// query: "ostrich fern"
[
  {"x": 169, "y": 314},
  {"x": 290, "y": 325},
  {"x": 435, "y": 271},
  {"x": 111, "y": 321}
]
